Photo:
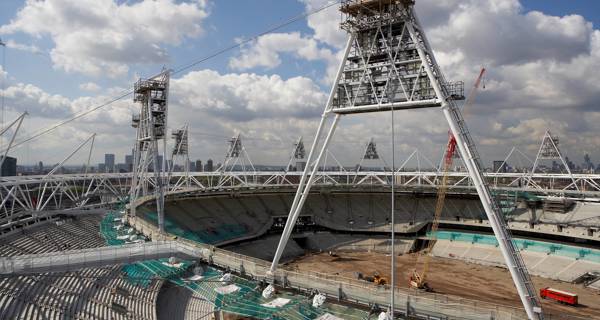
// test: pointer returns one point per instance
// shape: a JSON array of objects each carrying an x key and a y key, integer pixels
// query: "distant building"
[
  {"x": 209, "y": 166},
  {"x": 9, "y": 167},
  {"x": 129, "y": 162},
  {"x": 101, "y": 167},
  {"x": 40, "y": 167},
  {"x": 500, "y": 166},
  {"x": 199, "y": 167},
  {"x": 109, "y": 162}
]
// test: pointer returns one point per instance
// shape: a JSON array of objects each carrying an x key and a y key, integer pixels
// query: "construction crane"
[{"x": 419, "y": 280}]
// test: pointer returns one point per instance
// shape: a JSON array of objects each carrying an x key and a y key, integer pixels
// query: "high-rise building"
[
  {"x": 209, "y": 166},
  {"x": 129, "y": 162},
  {"x": 109, "y": 162},
  {"x": 9, "y": 167},
  {"x": 199, "y": 167},
  {"x": 40, "y": 167}
]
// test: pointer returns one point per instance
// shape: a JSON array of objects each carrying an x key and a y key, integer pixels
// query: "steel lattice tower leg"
[
  {"x": 151, "y": 124},
  {"x": 388, "y": 64}
]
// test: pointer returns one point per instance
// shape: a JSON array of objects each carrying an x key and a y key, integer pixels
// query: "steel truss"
[
  {"x": 25, "y": 199},
  {"x": 388, "y": 64},
  {"x": 236, "y": 156},
  {"x": 180, "y": 156},
  {"x": 80, "y": 188},
  {"x": 151, "y": 124},
  {"x": 549, "y": 151}
]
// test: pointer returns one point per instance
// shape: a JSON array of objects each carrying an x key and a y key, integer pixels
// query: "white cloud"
[
  {"x": 265, "y": 51},
  {"x": 326, "y": 23},
  {"x": 20, "y": 97},
  {"x": 498, "y": 33},
  {"x": 26, "y": 97},
  {"x": 241, "y": 97},
  {"x": 89, "y": 86},
  {"x": 23, "y": 47},
  {"x": 324, "y": 44},
  {"x": 542, "y": 74},
  {"x": 98, "y": 37}
]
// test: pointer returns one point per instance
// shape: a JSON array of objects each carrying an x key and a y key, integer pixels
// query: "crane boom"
[{"x": 419, "y": 280}]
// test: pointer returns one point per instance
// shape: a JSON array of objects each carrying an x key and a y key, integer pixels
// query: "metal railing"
[{"x": 87, "y": 258}]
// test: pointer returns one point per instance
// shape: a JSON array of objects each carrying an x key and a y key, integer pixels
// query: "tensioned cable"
[
  {"x": 178, "y": 70},
  {"x": 3, "y": 45}
]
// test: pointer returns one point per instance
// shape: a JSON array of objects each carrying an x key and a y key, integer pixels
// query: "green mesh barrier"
[
  {"x": 210, "y": 235},
  {"x": 246, "y": 302}
]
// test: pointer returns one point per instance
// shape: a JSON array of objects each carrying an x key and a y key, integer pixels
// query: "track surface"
[{"x": 452, "y": 277}]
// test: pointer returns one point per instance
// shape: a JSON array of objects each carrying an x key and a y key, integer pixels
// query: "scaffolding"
[{"x": 151, "y": 125}]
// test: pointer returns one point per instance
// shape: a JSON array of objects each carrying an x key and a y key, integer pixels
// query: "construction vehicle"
[
  {"x": 419, "y": 280},
  {"x": 376, "y": 278},
  {"x": 560, "y": 296}
]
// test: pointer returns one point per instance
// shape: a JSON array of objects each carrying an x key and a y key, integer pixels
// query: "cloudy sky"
[{"x": 64, "y": 57}]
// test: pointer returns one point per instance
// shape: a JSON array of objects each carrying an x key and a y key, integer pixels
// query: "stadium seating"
[
  {"x": 545, "y": 259},
  {"x": 219, "y": 219},
  {"x": 93, "y": 293}
]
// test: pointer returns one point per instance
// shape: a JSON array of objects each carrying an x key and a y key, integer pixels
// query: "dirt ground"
[{"x": 452, "y": 277}]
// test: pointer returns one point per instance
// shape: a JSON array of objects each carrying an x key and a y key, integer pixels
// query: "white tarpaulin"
[
  {"x": 277, "y": 303},
  {"x": 328, "y": 316},
  {"x": 195, "y": 277},
  {"x": 227, "y": 289},
  {"x": 173, "y": 265}
]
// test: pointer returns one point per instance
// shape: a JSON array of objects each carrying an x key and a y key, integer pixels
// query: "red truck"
[{"x": 559, "y": 295}]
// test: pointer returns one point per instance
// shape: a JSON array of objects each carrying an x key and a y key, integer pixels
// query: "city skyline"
[{"x": 525, "y": 92}]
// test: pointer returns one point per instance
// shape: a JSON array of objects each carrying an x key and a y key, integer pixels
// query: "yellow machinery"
[
  {"x": 378, "y": 279},
  {"x": 419, "y": 280}
]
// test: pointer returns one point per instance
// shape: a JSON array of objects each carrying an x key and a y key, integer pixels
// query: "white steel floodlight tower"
[
  {"x": 388, "y": 64},
  {"x": 297, "y": 158},
  {"x": 180, "y": 156},
  {"x": 549, "y": 151},
  {"x": 371, "y": 154},
  {"x": 151, "y": 124},
  {"x": 236, "y": 157}
]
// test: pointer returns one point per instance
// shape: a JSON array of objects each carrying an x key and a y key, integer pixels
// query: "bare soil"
[{"x": 451, "y": 277}]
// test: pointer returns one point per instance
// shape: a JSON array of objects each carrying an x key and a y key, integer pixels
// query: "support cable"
[
  {"x": 3, "y": 45},
  {"x": 187, "y": 66},
  {"x": 393, "y": 251}
]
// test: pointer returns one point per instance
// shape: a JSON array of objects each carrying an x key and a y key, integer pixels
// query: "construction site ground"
[{"x": 451, "y": 277}]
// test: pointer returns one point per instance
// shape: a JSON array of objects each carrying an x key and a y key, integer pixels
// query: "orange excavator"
[{"x": 418, "y": 280}]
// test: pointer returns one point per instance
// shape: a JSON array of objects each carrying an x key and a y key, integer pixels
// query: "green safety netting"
[
  {"x": 210, "y": 235},
  {"x": 247, "y": 301}
]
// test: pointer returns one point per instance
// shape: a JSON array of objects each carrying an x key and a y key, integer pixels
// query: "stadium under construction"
[{"x": 308, "y": 242}]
